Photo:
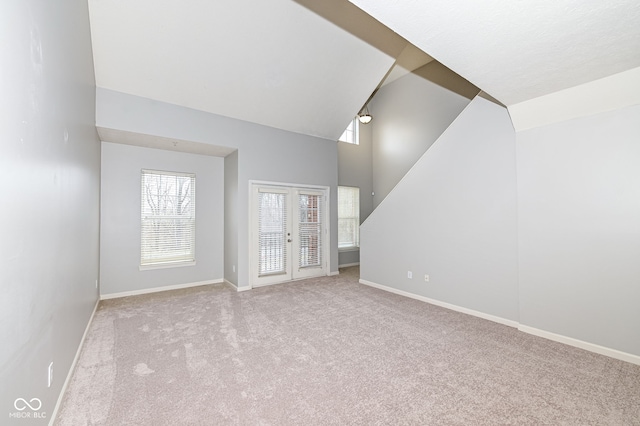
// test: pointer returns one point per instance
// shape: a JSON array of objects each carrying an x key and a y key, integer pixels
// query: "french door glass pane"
[
  {"x": 310, "y": 227},
  {"x": 272, "y": 233}
]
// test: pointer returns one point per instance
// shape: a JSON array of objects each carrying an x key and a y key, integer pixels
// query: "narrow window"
[
  {"x": 350, "y": 134},
  {"x": 348, "y": 217},
  {"x": 168, "y": 218}
]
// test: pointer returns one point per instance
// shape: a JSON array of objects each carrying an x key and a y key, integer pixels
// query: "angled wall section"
[
  {"x": 453, "y": 217},
  {"x": 410, "y": 114}
]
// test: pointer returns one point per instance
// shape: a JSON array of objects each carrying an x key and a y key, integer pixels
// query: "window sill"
[{"x": 166, "y": 265}]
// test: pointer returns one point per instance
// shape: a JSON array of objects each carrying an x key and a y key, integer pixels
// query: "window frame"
[
  {"x": 170, "y": 260},
  {"x": 355, "y": 133}
]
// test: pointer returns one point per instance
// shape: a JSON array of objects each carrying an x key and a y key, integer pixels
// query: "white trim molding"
[
  {"x": 159, "y": 289},
  {"x": 478, "y": 314},
  {"x": 235, "y": 287},
  {"x": 73, "y": 366},
  {"x": 230, "y": 284},
  {"x": 348, "y": 265},
  {"x": 591, "y": 347}
]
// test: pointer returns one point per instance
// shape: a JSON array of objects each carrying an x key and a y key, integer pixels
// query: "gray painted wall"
[
  {"x": 120, "y": 218},
  {"x": 453, "y": 216},
  {"x": 264, "y": 153},
  {"x": 355, "y": 168},
  {"x": 231, "y": 217},
  {"x": 50, "y": 167},
  {"x": 409, "y": 114},
  {"x": 578, "y": 203},
  {"x": 579, "y": 228}
]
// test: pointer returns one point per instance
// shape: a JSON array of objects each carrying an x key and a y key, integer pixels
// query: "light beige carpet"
[{"x": 330, "y": 351}]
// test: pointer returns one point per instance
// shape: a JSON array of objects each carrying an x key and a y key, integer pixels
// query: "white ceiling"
[
  {"x": 271, "y": 62},
  {"x": 308, "y": 66},
  {"x": 517, "y": 50}
]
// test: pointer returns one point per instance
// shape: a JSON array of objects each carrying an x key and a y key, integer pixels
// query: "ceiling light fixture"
[{"x": 364, "y": 116}]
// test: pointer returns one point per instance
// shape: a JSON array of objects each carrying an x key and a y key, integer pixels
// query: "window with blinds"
[
  {"x": 272, "y": 233},
  {"x": 348, "y": 217},
  {"x": 168, "y": 218},
  {"x": 310, "y": 230}
]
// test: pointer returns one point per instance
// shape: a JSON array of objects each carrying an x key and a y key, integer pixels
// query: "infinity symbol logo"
[{"x": 21, "y": 402}]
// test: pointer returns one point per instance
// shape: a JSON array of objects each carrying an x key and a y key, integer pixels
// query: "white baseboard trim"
[
  {"x": 333, "y": 273},
  {"x": 236, "y": 288},
  {"x": 457, "y": 308},
  {"x": 159, "y": 289},
  {"x": 347, "y": 265},
  {"x": 230, "y": 284},
  {"x": 52, "y": 419},
  {"x": 591, "y": 347}
]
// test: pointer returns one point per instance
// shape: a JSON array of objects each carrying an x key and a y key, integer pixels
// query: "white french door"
[{"x": 288, "y": 233}]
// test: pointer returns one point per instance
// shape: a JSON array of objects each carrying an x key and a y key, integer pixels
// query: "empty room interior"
[{"x": 320, "y": 212}]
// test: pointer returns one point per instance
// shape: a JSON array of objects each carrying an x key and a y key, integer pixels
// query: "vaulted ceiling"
[
  {"x": 273, "y": 62},
  {"x": 309, "y": 66},
  {"x": 517, "y": 50}
]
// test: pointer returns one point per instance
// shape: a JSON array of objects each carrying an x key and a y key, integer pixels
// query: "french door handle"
[{"x": 289, "y": 240}]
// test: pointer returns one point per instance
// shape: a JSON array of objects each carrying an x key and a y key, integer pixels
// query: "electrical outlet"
[
  {"x": 409, "y": 274},
  {"x": 234, "y": 268},
  {"x": 426, "y": 278},
  {"x": 50, "y": 375},
  {"x": 96, "y": 283}
]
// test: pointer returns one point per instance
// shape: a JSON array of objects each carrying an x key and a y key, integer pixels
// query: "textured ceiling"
[
  {"x": 274, "y": 62},
  {"x": 517, "y": 50}
]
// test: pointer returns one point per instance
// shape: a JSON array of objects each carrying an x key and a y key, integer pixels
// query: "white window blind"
[
  {"x": 168, "y": 218},
  {"x": 348, "y": 217},
  {"x": 272, "y": 233},
  {"x": 350, "y": 134},
  {"x": 310, "y": 230}
]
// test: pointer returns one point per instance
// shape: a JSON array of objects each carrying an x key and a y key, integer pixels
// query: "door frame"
[{"x": 326, "y": 246}]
